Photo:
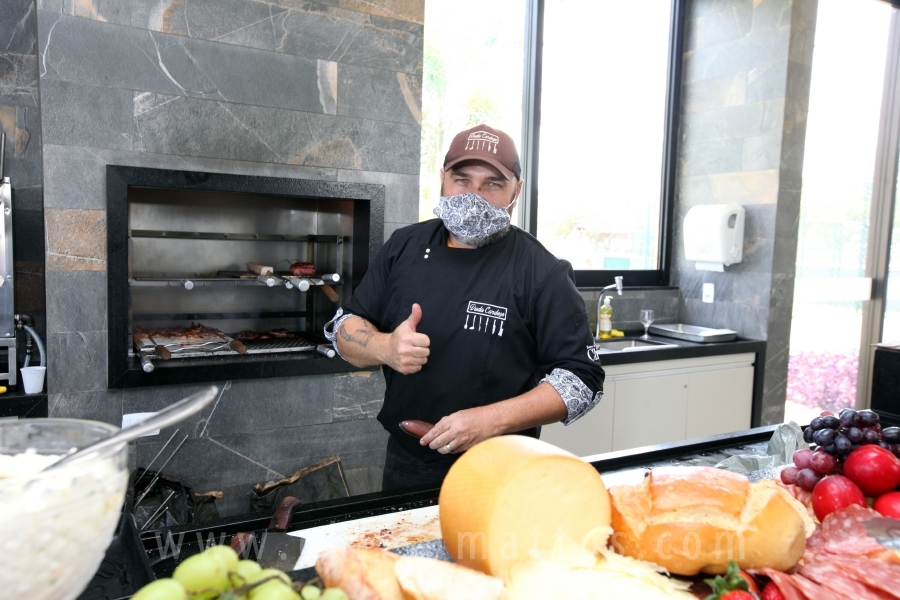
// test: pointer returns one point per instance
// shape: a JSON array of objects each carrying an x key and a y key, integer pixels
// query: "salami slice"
[
  {"x": 814, "y": 591},
  {"x": 873, "y": 573},
  {"x": 845, "y": 533},
  {"x": 784, "y": 582},
  {"x": 829, "y": 574}
]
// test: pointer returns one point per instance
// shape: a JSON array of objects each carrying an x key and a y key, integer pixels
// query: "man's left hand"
[{"x": 460, "y": 431}]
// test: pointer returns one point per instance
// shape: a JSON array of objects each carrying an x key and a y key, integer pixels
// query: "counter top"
[{"x": 682, "y": 349}]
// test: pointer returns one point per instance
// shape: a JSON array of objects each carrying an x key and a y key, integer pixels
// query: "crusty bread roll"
[
  {"x": 363, "y": 573},
  {"x": 431, "y": 579},
  {"x": 697, "y": 519}
]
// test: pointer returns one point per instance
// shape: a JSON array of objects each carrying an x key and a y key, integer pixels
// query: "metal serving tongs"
[
  {"x": 885, "y": 531},
  {"x": 174, "y": 413}
]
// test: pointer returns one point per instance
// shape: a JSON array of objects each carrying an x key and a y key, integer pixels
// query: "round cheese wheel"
[{"x": 511, "y": 494}]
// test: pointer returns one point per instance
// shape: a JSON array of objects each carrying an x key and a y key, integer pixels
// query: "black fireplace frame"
[{"x": 124, "y": 371}]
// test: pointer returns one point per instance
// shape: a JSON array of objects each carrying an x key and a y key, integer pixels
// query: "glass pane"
[
  {"x": 838, "y": 166},
  {"x": 603, "y": 101},
  {"x": 472, "y": 74},
  {"x": 891, "y": 325}
]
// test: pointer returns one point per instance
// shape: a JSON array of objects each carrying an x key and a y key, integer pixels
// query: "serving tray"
[{"x": 693, "y": 333}]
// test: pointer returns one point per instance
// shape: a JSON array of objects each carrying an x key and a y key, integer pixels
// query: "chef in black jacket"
[{"x": 479, "y": 328}]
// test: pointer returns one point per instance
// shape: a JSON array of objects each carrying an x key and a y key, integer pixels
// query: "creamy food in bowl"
[{"x": 55, "y": 526}]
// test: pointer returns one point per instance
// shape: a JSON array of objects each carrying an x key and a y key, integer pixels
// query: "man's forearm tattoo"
[{"x": 361, "y": 336}]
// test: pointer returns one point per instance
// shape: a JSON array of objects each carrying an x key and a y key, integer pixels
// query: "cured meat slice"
[
  {"x": 873, "y": 573},
  {"x": 303, "y": 269},
  {"x": 844, "y": 532},
  {"x": 814, "y": 591},
  {"x": 784, "y": 582},
  {"x": 830, "y": 575}
]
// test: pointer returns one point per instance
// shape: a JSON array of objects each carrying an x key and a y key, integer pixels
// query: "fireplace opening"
[{"x": 217, "y": 276}]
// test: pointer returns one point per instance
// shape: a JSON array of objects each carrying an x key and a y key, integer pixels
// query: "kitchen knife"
[
  {"x": 885, "y": 531},
  {"x": 416, "y": 428},
  {"x": 275, "y": 548}
]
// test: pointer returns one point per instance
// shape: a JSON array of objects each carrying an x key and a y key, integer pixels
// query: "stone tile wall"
[
  {"x": 745, "y": 92},
  {"x": 327, "y": 90},
  {"x": 20, "y": 120}
]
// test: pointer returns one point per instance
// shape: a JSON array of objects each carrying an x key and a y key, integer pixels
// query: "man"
[{"x": 479, "y": 329}]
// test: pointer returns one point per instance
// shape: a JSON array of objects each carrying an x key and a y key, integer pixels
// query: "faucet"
[{"x": 618, "y": 286}]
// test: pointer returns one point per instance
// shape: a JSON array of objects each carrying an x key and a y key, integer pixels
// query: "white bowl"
[{"x": 55, "y": 526}]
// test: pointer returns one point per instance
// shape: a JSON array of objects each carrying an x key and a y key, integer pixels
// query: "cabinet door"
[
  {"x": 719, "y": 401},
  {"x": 589, "y": 435},
  {"x": 650, "y": 410}
]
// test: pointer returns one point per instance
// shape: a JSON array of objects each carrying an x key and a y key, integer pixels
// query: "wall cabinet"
[{"x": 663, "y": 401}]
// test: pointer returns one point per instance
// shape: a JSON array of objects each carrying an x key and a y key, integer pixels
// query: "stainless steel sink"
[{"x": 630, "y": 344}]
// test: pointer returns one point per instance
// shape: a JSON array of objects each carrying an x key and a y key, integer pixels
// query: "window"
[
  {"x": 472, "y": 74},
  {"x": 603, "y": 133},
  {"x": 595, "y": 80}
]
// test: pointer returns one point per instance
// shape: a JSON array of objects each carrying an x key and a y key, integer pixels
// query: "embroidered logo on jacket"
[{"x": 485, "y": 318}]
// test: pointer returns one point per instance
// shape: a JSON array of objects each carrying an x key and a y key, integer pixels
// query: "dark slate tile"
[
  {"x": 76, "y": 301},
  {"x": 713, "y": 157},
  {"x": 757, "y": 256},
  {"x": 723, "y": 26},
  {"x": 792, "y": 151},
  {"x": 76, "y": 177},
  {"x": 170, "y": 64},
  {"x": 75, "y": 114},
  {"x": 23, "y": 145},
  {"x": 379, "y": 94},
  {"x": 762, "y": 152},
  {"x": 55, "y": 6},
  {"x": 708, "y": 7},
  {"x": 752, "y": 288},
  {"x": 762, "y": 48},
  {"x": 214, "y": 463},
  {"x": 364, "y": 480},
  {"x": 759, "y": 220},
  {"x": 767, "y": 82},
  {"x": 299, "y": 28},
  {"x": 105, "y": 406},
  {"x": 106, "y": 11},
  {"x": 401, "y": 192},
  {"x": 743, "y": 121},
  {"x": 28, "y": 235},
  {"x": 799, "y": 80},
  {"x": 247, "y": 406},
  {"x": 78, "y": 361},
  {"x": 358, "y": 395},
  {"x": 781, "y": 305},
  {"x": 715, "y": 93},
  {"x": 391, "y": 147},
  {"x": 18, "y": 26},
  {"x": 273, "y": 404},
  {"x": 27, "y": 198},
  {"x": 18, "y": 80},
  {"x": 771, "y": 14},
  {"x": 784, "y": 255},
  {"x": 188, "y": 126}
]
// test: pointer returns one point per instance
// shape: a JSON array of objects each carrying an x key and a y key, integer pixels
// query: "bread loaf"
[
  {"x": 363, "y": 573},
  {"x": 697, "y": 519}
]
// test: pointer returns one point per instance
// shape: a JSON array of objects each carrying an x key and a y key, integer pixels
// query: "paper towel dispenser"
[{"x": 714, "y": 235}]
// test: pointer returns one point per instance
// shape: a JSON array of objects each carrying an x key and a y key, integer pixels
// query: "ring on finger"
[{"x": 449, "y": 448}]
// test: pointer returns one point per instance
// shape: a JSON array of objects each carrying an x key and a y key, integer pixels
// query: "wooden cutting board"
[{"x": 392, "y": 530}]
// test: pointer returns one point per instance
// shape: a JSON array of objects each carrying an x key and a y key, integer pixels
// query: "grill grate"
[{"x": 278, "y": 345}]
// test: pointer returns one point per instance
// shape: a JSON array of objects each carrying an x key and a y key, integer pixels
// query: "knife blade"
[
  {"x": 416, "y": 428},
  {"x": 275, "y": 548}
]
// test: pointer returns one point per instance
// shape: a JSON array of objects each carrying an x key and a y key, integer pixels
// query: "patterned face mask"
[{"x": 472, "y": 219}]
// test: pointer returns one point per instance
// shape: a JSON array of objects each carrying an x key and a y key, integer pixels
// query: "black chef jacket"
[{"x": 500, "y": 318}]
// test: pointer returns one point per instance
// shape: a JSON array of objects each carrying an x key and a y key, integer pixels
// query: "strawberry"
[
  {"x": 735, "y": 585},
  {"x": 737, "y": 595},
  {"x": 771, "y": 592}
]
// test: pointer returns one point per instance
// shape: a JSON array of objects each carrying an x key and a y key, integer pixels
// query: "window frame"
[{"x": 531, "y": 115}]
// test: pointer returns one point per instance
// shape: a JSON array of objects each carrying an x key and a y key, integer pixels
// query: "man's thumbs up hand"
[{"x": 408, "y": 350}]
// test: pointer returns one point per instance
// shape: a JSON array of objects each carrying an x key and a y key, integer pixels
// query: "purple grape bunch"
[{"x": 835, "y": 437}]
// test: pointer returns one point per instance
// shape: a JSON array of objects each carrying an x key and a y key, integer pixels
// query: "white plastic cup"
[{"x": 33, "y": 379}]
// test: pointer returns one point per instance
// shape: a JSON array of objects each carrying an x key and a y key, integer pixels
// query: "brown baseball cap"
[{"x": 485, "y": 144}]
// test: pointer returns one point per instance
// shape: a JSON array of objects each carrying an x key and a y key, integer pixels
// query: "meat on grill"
[
  {"x": 249, "y": 336},
  {"x": 303, "y": 269},
  {"x": 195, "y": 332}
]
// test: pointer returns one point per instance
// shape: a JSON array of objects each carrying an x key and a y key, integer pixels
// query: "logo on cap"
[{"x": 482, "y": 140}]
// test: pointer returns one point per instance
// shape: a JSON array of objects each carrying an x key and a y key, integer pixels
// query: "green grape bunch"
[{"x": 218, "y": 573}]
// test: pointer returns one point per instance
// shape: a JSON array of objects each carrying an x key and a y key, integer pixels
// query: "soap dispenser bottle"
[{"x": 606, "y": 312}]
